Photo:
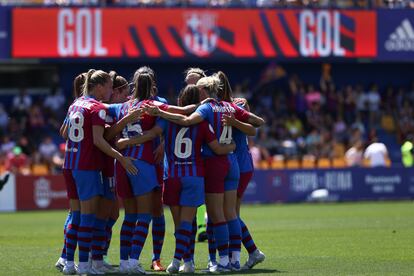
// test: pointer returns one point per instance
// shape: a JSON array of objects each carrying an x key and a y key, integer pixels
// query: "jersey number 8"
[{"x": 76, "y": 133}]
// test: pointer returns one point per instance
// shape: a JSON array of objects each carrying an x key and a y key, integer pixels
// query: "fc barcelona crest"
[{"x": 200, "y": 33}]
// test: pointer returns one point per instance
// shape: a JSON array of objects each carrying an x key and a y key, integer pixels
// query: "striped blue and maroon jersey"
[
  {"x": 108, "y": 161},
  {"x": 144, "y": 151},
  {"x": 212, "y": 112},
  {"x": 244, "y": 158},
  {"x": 183, "y": 147},
  {"x": 81, "y": 153}
]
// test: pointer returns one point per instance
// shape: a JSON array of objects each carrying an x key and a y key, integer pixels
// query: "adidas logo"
[{"x": 402, "y": 39}]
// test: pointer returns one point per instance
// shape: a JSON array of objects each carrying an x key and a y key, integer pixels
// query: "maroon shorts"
[
  {"x": 70, "y": 184},
  {"x": 243, "y": 182},
  {"x": 160, "y": 174},
  {"x": 216, "y": 170},
  {"x": 171, "y": 192},
  {"x": 123, "y": 187}
]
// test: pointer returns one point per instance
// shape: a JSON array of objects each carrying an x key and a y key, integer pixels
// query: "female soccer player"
[
  {"x": 245, "y": 162},
  {"x": 108, "y": 210},
  {"x": 84, "y": 154},
  {"x": 184, "y": 189},
  {"x": 191, "y": 76},
  {"x": 73, "y": 218},
  {"x": 221, "y": 172}
]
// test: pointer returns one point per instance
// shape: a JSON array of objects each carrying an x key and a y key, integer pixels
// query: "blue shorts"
[
  {"x": 109, "y": 191},
  {"x": 88, "y": 183},
  {"x": 146, "y": 179},
  {"x": 184, "y": 191},
  {"x": 231, "y": 182}
]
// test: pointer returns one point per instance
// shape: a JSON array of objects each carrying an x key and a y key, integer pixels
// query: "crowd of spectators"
[
  {"x": 305, "y": 122},
  {"x": 225, "y": 3},
  {"x": 28, "y": 130},
  {"x": 324, "y": 121}
]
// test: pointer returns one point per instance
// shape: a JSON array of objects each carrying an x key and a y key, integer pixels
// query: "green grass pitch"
[{"x": 298, "y": 239}]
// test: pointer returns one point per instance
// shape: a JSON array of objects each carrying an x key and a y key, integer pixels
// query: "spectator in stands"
[
  {"x": 294, "y": 125},
  {"x": 313, "y": 142},
  {"x": 350, "y": 100},
  {"x": 20, "y": 107},
  {"x": 17, "y": 162},
  {"x": 36, "y": 119},
  {"x": 7, "y": 144},
  {"x": 373, "y": 99},
  {"x": 54, "y": 101},
  {"x": 25, "y": 144},
  {"x": 47, "y": 150},
  {"x": 326, "y": 82},
  {"x": 353, "y": 156},
  {"x": 376, "y": 153},
  {"x": 340, "y": 129}
]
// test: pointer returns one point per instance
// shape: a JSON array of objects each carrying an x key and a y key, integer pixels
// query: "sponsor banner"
[
  {"x": 331, "y": 185},
  {"x": 192, "y": 33},
  {"x": 4, "y": 33},
  {"x": 41, "y": 192},
  {"x": 8, "y": 194},
  {"x": 396, "y": 34}
]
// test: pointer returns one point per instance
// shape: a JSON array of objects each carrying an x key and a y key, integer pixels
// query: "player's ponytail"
[
  {"x": 117, "y": 80},
  {"x": 151, "y": 73},
  {"x": 143, "y": 87},
  {"x": 78, "y": 83},
  {"x": 224, "y": 92},
  {"x": 92, "y": 79}
]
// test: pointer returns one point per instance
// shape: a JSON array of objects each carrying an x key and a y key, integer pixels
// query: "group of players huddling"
[{"x": 123, "y": 140}]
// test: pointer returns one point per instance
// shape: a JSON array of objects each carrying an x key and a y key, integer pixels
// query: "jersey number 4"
[{"x": 226, "y": 135}]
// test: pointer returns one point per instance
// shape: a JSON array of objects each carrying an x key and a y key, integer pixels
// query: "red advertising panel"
[
  {"x": 40, "y": 192},
  {"x": 189, "y": 33}
]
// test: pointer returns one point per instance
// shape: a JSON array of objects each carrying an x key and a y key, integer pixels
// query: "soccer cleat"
[
  {"x": 137, "y": 269},
  {"x": 60, "y": 264},
  {"x": 100, "y": 267},
  {"x": 254, "y": 258},
  {"x": 107, "y": 265},
  {"x": 221, "y": 268},
  {"x": 187, "y": 267},
  {"x": 69, "y": 270},
  {"x": 124, "y": 268},
  {"x": 174, "y": 267},
  {"x": 157, "y": 266},
  {"x": 235, "y": 266},
  {"x": 211, "y": 267}
]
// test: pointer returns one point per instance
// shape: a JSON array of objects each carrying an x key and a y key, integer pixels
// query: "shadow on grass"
[{"x": 245, "y": 272}]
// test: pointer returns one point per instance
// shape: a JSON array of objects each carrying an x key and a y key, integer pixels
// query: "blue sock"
[
  {"x": 98, "y": 239},
  {"x": 108, "y": 231},
  {"x": 189, "y": 255},
  {"x": 72, "y": 236},
  {"x": 85, "y": 236},
  {"x": 247, "y": 239},
  {"x": 140, "y": 235},
  {"x": 127, "y": 231},
  {"x": 235, "y": 235},
  {"x": 65, "y": 226},
  {"x": 212, "y": 246},
  {"x": 182, "y": 239},
  {"x": 221, "y": 235},
  {"x": 158, "y": 233}
]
